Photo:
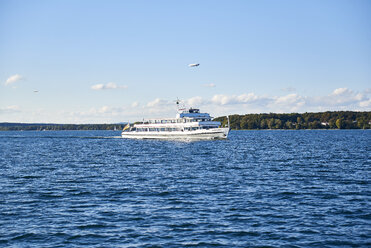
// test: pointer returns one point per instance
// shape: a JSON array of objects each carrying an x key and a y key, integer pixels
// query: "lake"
[{"x": 272, "y": 188}]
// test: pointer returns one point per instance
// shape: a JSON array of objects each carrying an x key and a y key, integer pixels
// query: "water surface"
[{"x": 258, "y": 188}]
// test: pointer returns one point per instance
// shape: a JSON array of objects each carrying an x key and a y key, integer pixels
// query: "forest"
[{"x": 321, "y": 120}]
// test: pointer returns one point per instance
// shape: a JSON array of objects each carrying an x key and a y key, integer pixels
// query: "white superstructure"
[{"x": 188, "y": 124}]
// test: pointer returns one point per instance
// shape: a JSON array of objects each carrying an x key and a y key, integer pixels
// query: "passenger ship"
[{"x": 189, "y": 124}]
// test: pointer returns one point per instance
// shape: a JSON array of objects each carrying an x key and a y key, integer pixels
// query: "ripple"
[{"x": 257, "y": 189}]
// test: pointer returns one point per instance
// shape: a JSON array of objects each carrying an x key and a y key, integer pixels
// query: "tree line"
[
  {"x": 48, "y": 127},
  {"x": 322, "y": 120}
]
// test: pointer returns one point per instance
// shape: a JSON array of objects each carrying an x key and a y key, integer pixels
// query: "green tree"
[
  {"x": 251, "y": 124},
  {"x": 243, "y": 123},
  {"x": 270, "y": 123},
  {"x": 332, "y": 123},
  {"x": 361, "y": 123},
  {"x": 277, "y": 124},
  {"x": 288, "y": 125},
  {"x": 263, "y": 124},
  {"x": 314, "y": 125},
  {"x": 339, "y": 123}
]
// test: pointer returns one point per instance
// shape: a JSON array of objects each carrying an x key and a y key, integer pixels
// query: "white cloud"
[
  {"x": 365, "y": 104},
  {"x": 288, "y": 103},
  {"x": 13, "y": 79},
  {"x": 108, "y": 86},
  {"x": 10, "y": 109},
  {"x": 344, "y": 96},
  {"x": 288, "y": 99},
  {"x": 209, "y": 85},
  {"x": 217, "y": 105},
  {"x": 246, "y": 98},
  {"x": 221, "y": 99},
  {"x": 106, "y": 112},
  {"x": 225, "y": 99},
  {"x": 341, "y": 91},
  {"x": 195, "y": 101},
  {"x": 98, "y": 87},
  {"x": 157, "y": 102},
  {"x": 339, "y": 99}
]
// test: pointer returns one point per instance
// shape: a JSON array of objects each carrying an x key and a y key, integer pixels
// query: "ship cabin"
[
  {"x": 194, "y": 114},
  {"x": 186, "y": 120}
]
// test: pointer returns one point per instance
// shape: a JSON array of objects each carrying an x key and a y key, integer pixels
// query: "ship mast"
[{"x": 179, "y": 107}]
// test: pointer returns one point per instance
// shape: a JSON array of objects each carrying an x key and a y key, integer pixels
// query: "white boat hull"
[{"x": 203, "y": 134}]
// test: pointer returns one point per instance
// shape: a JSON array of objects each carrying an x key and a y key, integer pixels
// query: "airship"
[{"x": 193, "y": 65}]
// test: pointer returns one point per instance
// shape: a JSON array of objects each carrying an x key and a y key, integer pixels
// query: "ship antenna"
[{"x": 177, "y": 103}]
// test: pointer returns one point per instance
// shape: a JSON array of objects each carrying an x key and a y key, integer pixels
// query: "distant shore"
[
  {"x": 296, "y": 121},
  {"x": 271, "y": 121},
  {"x": 7, "y": 126}
]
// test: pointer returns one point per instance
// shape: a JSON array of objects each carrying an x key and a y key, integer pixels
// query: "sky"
[{"x": 111, "y": 61}]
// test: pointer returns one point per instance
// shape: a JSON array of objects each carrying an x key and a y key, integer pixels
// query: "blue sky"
[{"x": 113, "y": 61}]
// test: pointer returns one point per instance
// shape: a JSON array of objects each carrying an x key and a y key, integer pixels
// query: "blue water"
[{"x": 256, "y": 189}]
